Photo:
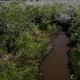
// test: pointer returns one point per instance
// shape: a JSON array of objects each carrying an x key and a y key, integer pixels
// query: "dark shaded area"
[
  {"x": 79, "y": 77},
  {"x": 38, "y": 21},
  {"x": 65, "y": 24},
  {"x": 10, "y": 45},
  {"x": 37, "y": 0},
  {"x": 3, "y": 27},
  {"x": 33, "y": 0},
  {"x": 8, "y": 42},
  {"x": 71, "y": 71},
  {"x": 72, "y": 44},
  {"x": 60, "y": 20}
]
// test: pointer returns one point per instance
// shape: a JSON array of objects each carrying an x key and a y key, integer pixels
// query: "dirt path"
[{"x": 54, "y": 67}]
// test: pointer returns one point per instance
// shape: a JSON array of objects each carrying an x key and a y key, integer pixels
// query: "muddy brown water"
[{"x": 54, "y": 67}]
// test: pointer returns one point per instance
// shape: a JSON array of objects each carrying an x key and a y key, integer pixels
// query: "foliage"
[
  {"x": 74, "y": 32},
  {"x": 24, "y": 37}
]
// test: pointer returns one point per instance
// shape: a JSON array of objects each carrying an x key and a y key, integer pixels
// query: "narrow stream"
[{"x": 54, "y": 67}]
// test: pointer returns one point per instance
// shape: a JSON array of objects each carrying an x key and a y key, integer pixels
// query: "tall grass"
[{"x": 24, "y": 38}]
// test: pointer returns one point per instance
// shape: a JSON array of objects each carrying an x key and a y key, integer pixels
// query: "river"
[{"x": 54, "y": 67}]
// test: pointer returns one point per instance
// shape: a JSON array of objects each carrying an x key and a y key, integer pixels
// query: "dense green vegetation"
[
  {"x": 24, "y": 38},
  {"x": 74, "y": 54},
  {"x": 25, "y": 33}
]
